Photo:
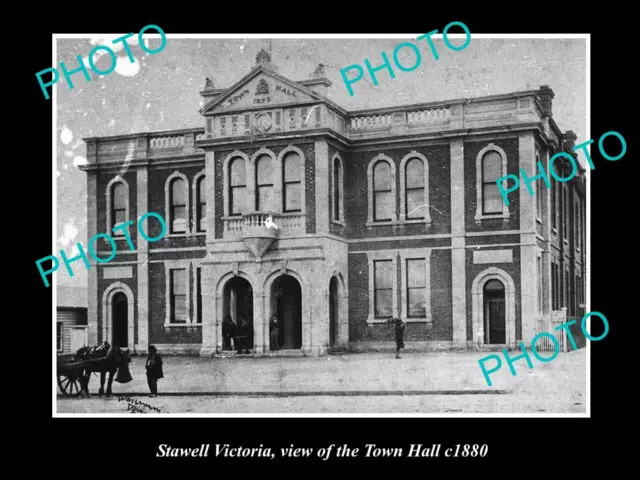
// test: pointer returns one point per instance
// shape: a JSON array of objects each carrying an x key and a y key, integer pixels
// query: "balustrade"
[{"x": 255, "y": 220}]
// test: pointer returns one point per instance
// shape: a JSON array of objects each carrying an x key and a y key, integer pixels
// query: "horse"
[{"x": 103, "y": 364}]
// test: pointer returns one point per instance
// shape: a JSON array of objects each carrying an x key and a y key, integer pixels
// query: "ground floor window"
[{"x": 59, "y": 337}]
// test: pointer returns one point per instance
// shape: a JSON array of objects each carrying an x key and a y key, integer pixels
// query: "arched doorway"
[
  {"x": 286, "y": 303},
  {"x": 334, "y": 304},
  {"x": 495, "y": 324},
  {"x": 238, "y": 303},
  {"x": 120, "y": 318}
]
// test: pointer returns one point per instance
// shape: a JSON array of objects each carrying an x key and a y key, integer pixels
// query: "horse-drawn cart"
[
  {"x": 72, "y": 374},
  {"x": 74, "y": 371}
]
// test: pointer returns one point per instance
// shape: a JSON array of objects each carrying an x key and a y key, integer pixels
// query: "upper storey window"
[
  {"x": 491, "y": 171},
  {"x": 178, "y": 220},
  {"x": 414, "y": 192},
  {"x": 383, "y": 194},
  {"x": 264, "y": 182},
  {"x": 491, "y": 164},
  {"x": 238, "y": 186},
  {"x": 337, "y": 180},
  {"x": 117, "y": 205},
  {"x": 292, "y": 183},
  {"x": 201, "y": 204},
  {"x": 177, "y": 204},
  {"x": 265, "y": 195}
]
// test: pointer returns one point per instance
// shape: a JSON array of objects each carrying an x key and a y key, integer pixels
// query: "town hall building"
[{"x": 284, "y": 203}]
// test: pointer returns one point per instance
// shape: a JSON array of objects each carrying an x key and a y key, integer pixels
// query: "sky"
[{"x": 160, "y": 91}]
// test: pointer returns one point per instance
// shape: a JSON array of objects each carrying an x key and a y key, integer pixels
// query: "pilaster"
[
  {"x": 143, "y": 259},
  {"x": 528, "y": 274},
  {"x": 458, "y": 263},
  {"x": 260, "y": 322},
  {"x": 210, "y": 186},
  {"x": 546, "y": 251},
  {"x": 92, "y": 274},
  {"x": 307, "y": 334},
  {"x": 322, "y": 186},
  {"x": 209, "y": 314},
  {"x": 320, "y": 317}
]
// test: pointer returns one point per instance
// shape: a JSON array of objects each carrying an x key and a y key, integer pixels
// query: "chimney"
[
  {"x": 318, "y": 83},
  {"x": 545, "y": 95}
]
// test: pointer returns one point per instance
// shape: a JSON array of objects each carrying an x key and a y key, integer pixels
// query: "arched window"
[
  {"x": 292, "y": 183},
  {"x": 178, "y": 202},
  {"x": 238, "y": 185},
  {"x": 414, "y": 194},
  {"x": 264, "y": 184},
  {"x": 201, "y": 205},
  {"x": 118, "y": 207},
  {"x": 337, "y": 189},
  {"x": 383, "y": 200},
  {"x": 491, "y": 171}
]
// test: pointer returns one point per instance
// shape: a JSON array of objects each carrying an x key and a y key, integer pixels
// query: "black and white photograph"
[{"x": 310, "y": 225}]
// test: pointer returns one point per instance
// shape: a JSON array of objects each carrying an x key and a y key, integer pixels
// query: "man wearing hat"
[{"x": 399, "y": 327}]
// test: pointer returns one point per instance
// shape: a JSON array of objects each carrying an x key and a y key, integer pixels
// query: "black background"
[{"x": 117, "y": 447}]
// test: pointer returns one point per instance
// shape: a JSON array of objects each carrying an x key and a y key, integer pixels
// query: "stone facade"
[{"x": 375, "y": 213}]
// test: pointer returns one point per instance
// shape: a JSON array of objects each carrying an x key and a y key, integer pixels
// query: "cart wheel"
[{"x": 69, "y": 384}]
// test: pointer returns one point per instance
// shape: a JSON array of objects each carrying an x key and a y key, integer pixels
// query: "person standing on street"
[
  {"x": 228, "y": 332},
  {"x": 154, "y": 370},
  {"x": 274, "y": 332},
  {"x": 399, "y": 331}
]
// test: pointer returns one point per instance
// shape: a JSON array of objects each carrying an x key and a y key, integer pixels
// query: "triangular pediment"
[{"x": 261, "y": 88}]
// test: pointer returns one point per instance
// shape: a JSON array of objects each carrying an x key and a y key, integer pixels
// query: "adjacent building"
[
  {"x": 71, "y": 319},
  {"x": 285, "y": 203}
]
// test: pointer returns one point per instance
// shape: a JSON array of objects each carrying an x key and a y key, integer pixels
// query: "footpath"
[{"x": 437, "y": 373}]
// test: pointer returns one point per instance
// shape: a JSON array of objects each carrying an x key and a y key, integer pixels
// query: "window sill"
[
  {"x": 170, "y": 325},
  {"x": 415, "y": 221},
  {"x": 338, "y": 222},
  {"x": 199, "y": 234},
  {"x": 374, "y": 321},
  {"x": 555, "y": 231},
  {"x": 566, "y": 242},
  {"x": 491, "y": 217},
  {"x": 539, "y": 220},
  {"x": 382, "y": 224},
  {"x": 177, "y": 235}
]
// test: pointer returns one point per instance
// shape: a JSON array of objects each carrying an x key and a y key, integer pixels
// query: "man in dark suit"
[{"x": 154, "y": 370}]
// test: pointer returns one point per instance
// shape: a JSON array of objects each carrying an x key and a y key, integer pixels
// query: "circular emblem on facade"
[{"x": 263, "y": 122}]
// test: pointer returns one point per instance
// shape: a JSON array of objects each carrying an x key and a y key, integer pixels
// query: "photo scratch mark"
[{"x": 425, "y": 205}]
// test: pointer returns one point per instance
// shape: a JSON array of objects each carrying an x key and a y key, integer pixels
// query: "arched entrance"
[
  {"x": 286, "y": 303},
  {"x": 493, "y": 293},
  {"x": 120, "y": 318},
  {"x": 238, "y": 303},
  {"x": 334, "y": 304},
  {"x": 495, "y": 325}
]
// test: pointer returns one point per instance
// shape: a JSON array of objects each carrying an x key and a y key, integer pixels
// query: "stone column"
[
  {"x": 209, "y": 313},
  {"x": 142, "y": 246},
  {"x": 458, "y": 264},
  {"x": 322, "y": 186},
  {"x": 528, "y": 257},
  {"x": 92, "y": 274}
]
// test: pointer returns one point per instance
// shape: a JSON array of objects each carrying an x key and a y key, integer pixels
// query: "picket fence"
[{"x": 545, "y": 344}]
